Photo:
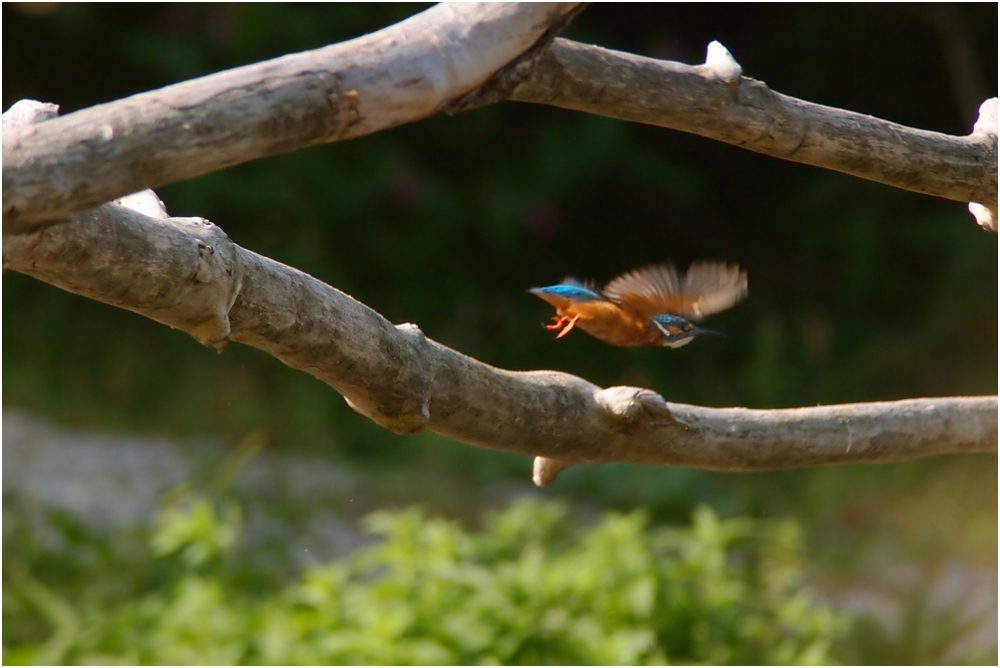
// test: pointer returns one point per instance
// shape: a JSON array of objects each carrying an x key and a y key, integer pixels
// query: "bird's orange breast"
[{"x": 606, "y": 321}]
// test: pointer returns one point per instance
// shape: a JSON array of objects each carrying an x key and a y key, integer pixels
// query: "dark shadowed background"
[{"x": 858, "y": 292}]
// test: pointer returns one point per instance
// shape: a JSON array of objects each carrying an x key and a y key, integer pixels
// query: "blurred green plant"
[{"x": 527, "y": 588}]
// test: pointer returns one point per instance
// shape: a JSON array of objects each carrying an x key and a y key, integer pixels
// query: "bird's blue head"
[{"x": 677, "y": 331}]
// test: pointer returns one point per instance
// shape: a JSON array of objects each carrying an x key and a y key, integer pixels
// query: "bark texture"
[
  {"x": 186, "y": 273},
  {"x": 397, "y": 75},
  {"x": 713, "y": 100}
]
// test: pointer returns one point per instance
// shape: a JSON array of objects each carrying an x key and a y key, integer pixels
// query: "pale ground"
[{"x": 112, "y": 481}]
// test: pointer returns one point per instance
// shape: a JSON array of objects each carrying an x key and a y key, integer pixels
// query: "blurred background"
[{"x": 130, "y": 448}]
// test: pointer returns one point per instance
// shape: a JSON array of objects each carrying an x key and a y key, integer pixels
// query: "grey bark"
[
  {"x": 185, "y": 272},
  {"x": 746, "y": 113},
  {"x": 397, "y": 75}
]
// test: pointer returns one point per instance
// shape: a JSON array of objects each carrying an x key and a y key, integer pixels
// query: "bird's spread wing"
[
  {"x": 718, "y": 286},
  {"x": 708, "y": 287}
]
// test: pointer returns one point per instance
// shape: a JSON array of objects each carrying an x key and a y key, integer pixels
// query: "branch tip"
[
  {"x": 984, "y": 216},
  {"x": 986, "y": 129},
  {"x": 405, "y": 421},
  {"x": 500, "y": 85},
  {"x": 987, "y": 121},
  {"x": 212, "y": 332}
]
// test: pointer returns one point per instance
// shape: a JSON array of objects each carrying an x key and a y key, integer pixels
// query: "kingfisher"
[{"x": 652, "y": 306}]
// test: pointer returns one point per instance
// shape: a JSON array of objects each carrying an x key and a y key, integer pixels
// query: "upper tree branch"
[
  {"x": 746, "y": 113},
  {"x": 397, "y": 75},
  {"x": 451, "y": 58}
]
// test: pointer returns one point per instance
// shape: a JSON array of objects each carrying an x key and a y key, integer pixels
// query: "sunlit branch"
[
  {"x": 403, "y": 73},
  {"x": 718, "y": 103}
]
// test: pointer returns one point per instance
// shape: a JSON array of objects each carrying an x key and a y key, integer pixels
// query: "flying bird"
[{"x": 652, "y": 306}]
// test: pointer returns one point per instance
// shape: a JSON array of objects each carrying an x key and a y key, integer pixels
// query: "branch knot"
[{"x": 624, "y": 403}]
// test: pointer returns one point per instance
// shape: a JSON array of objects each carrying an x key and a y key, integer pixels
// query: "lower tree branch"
[{"x": 186, "y": 273}]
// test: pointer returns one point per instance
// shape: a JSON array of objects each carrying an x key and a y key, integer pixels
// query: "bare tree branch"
[
  {"x": 397, "y": 75},
  {"x": 710, "y": 102},
  {"x": 186, "y": 273},
  {"x": 451, "y": 58}
]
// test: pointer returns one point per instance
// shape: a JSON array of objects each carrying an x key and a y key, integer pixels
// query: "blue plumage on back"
[{"x": 573, "y": 291}]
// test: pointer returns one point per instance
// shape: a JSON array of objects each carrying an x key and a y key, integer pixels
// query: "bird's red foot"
[
  {"x": 559, "y": 321},
  {"x": 569, "y": 325}
]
